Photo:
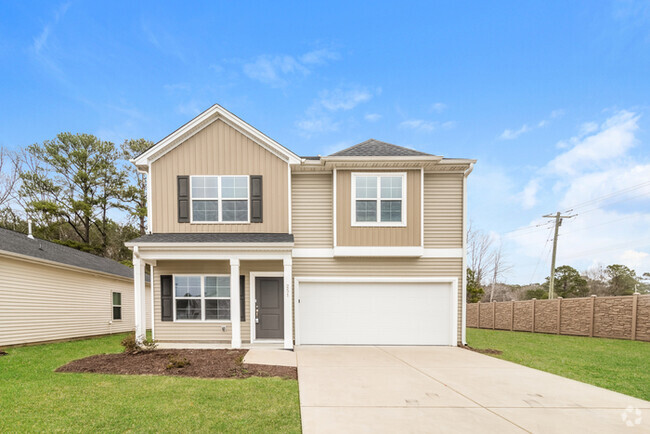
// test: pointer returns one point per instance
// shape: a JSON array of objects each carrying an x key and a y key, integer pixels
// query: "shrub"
[
  {"x": 176, "y": 363},
  {"x": 131, "y": 345}
]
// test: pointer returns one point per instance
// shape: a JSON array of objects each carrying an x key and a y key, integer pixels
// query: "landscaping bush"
[
  {"x": 131, "y": 345},
  {"x": 176, "y": 362}
]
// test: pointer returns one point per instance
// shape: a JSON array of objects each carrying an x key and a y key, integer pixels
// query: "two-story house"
[{"x": 250, "y": 243}]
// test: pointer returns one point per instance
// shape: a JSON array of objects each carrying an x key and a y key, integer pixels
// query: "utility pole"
[{"x": 558, "y": 222}]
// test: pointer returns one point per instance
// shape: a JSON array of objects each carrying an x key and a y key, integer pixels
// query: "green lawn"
[
  {"x": 610, "y": 363},
  {"x": 34, "y": 398}
]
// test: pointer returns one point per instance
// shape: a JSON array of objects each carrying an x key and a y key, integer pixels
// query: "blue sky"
[{"x": 551, "y": 97}]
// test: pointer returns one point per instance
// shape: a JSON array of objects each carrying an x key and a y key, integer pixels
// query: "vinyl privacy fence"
[{"x": 624, "y": 317}]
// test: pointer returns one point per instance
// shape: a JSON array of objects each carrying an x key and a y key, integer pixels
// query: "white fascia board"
[
  {"x": 212, "y": 255},
  {"x": 385, "y": 252},
  {"x": 211, "y": 246},
  {"x": 423, "y": 158},
  {"x": 370, "y": 251},
  {"x": 218, "y": 112}
]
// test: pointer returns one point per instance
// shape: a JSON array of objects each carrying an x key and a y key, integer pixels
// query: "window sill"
[
  {"x": 221, "y": 223},
  {"x": 378, "y": 224}
]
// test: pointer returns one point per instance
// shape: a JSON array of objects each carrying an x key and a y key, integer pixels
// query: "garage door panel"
[{"x": 355, "y": 313}]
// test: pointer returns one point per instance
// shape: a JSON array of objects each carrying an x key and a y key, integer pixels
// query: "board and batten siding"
[
  {"x": 219, "y": 149},
  {"x": 205, "y": 332},
  {"x": 383, "y": 267},
  {"x": 311, "y": 204},
  {"x": 41, "y": 302},
  {"x": 348, "y": 235},
  {"x": 443, "y": 210}
]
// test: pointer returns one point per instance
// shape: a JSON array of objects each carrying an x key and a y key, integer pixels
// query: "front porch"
[{"x": 207, "y": 295}]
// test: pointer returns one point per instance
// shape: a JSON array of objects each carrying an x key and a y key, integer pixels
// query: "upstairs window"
[
  {"x": 378, "y": 199},
  {"x": 219, "y": 199}
]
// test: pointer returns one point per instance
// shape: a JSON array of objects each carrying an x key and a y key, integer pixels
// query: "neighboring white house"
[{"x": 52, "y": 292}]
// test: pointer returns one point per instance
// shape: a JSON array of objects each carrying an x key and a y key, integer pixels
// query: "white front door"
[{"x": 376, "y": 313}]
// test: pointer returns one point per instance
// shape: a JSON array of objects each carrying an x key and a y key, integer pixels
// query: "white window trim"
[
  {"x": 113, "y": 305},
  {"x": 202, "y": 299},
  {"x": 220, "y": 200},
  {"x": 353, "y": 199}
]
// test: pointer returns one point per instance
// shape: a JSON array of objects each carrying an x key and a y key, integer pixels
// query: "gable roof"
[
  {"x": 18, "y": 243},
  {"x": 214, "y": 113},
  {"x": 376, "y": 148}
]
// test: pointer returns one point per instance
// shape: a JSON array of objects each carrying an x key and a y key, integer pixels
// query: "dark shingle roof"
[
  {"x": 16, "y": 242},
  {"x": 375, "y": 148},
  {"x": 215, "y": 237}
]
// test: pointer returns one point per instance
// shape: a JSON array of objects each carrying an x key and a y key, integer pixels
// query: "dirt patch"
[
  {"x": 3, "y": 353},
  {"x": 484, "y": 350},
  {"x": 185, "y": 363}
]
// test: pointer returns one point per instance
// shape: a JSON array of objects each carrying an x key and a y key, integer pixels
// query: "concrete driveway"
[{"x": 444, "y": 389}]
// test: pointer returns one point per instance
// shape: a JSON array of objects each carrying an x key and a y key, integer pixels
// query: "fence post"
[
  {"x": 593, "y": 314},
  {"x": 635, "y": 304},
  {"x": 494, "y": 314},
  {"x": 478, "y": 314},
  {"x": 559, "y": 314},
  {"x": 512, "y": 315},
  {"x": 533, "y": 326}
]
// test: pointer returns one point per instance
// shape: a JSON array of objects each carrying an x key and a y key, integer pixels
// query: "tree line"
[
  {"x": 486, "y": 270},
  {"x": 79, "y": 190}
]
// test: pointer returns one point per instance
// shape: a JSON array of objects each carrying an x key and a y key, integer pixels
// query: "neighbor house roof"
[
  {"x": 214, "y": 237},
  {"x": 19, "y": 244},
  {"x": 376, "y": 148}
]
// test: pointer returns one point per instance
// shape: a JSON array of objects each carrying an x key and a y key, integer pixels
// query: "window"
[
  {"x": 117, "y": 306},
  {"x": 219, "y": 199},
  {"x": 378, "y": 199},
  {"x": 202, "y": 298}
]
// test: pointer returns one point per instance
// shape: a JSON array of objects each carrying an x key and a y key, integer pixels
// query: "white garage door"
[{"x": 368, "y": 313}]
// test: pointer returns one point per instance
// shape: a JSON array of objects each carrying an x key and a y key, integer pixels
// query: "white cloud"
[
  {"x": 343, "y": 99},
  {"x": 372, "y": 117},
  {"x": 438, "y": 107},
  {"x": 510, "y": 134},
  {"x": 319, "y": 57},
  {"x": 529, "y": 194},
  {"x": 513, "y": 134},
  {"x": 272, "y": 70},
  {"x": 40, "y": 41},
  {"x": 607, "y": 189},
  {"x": 190, "y": 108},
  {"x": 317, "y": 125},
  {"x": 418, "y": 125},
  {"x": 615, "y": 138},
  {"x": 276, "y": 70}
]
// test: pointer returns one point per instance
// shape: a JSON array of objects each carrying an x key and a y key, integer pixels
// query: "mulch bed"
[
  {"x": 483, "y": 350},
  {"x": 185, "y": 363}
]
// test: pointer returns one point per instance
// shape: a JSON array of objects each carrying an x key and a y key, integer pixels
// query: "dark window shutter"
[
  {"x": 256, "y": 198},
  {"x": 183, "y": 199},
  {"x": 242, "y": 298},
  {"x": 166, "y": 298}
]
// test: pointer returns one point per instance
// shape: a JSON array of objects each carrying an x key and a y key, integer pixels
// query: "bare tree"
[
  {"x": 9, "y": 175},
  {"x": 499, "y": 268},
  {"x": 479, "y": 252}
]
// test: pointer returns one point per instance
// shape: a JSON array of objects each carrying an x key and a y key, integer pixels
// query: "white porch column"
[
  {"x": 288, "y": 305},
  {"x": 139, "y": 297},
  {"x": 234, "y": 303}
]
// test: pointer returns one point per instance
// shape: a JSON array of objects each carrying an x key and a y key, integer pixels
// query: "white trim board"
[
  {"x": 453, "y": 281},
  {"x": 377, "y": 251}
]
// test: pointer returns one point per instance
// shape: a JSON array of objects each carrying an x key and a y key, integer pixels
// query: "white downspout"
[{"x": 464, "y": 262}]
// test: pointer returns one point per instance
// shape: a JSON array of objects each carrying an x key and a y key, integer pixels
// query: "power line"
[
  {"x": 558, "y": 222},
  {"x": 542, "y": 255},
  {"x": 609, "y": 195}
]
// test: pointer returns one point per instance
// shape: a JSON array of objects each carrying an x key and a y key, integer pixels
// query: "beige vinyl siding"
[
  {"x": 383, "y": 267},
  {"x": 312, "y": 210},
  {"x": 443, "y": 210},
  {"x": 219, "y": 149},
  {"x": 41, "y": 302},
  {"x": 207, "y": 332},
  {"x": 348, "y": 235}
]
